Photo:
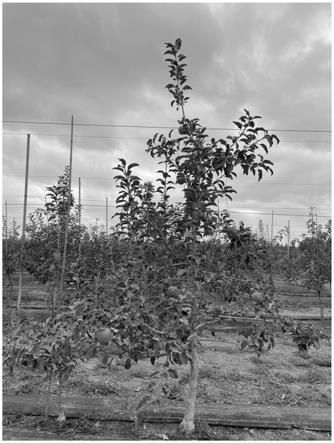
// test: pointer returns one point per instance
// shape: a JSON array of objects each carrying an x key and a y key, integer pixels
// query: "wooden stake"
[
  {"x": 19, "y": 297},
  {"x": 67, "y": 218}
]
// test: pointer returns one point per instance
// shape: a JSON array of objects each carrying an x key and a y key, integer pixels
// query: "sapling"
[
  {"x": 168, "y": 314},
  {"x": 202, "y": 165},
  {"x": 310, "y": 262}
]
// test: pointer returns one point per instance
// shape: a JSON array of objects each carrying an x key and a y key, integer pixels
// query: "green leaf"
[
  {"x": 243, "y": 344},
  {"x": 183, "y": 358},
  {"x": 264, "y": 147},
  {"x": 143, "y": 402},
  {"x": 178, "y": 43},
  {"x": 275, "y": 138},
  {"x": 132, "y": 165},
  {"x": 172, "y": 372}
]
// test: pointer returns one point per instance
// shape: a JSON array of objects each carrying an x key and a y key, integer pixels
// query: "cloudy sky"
[{"x": 104, "y": 64}]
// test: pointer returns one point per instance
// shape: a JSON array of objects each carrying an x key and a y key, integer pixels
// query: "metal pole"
[
  {"x": 6, "y": 229},
  {"x": 68, "y": 213},
  {"x": 19, "y": 297},
  {"x": 218, "y": 218},
  {"x": 271, "y": 249},
  {"x": 289, "y": 258},
  {"x": 79, "y": 202},
  {"x": 107, "y": 216},
  {"x": 79, "y": 216},
  {"x": 6, "y": 242},
  {"x": 288, "y": 240}
]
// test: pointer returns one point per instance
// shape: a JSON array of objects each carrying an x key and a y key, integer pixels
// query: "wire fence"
[
  {"x": 102, "y": 214},
  {"x": 94, "y": 210}
]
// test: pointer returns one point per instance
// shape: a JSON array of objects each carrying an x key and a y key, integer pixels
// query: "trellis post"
[{"x": 26, "y": 179}]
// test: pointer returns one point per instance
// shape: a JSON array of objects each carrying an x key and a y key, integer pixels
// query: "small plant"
[
  {"x": 54, "y": 346},
  {"x": 306, "y": 337}
]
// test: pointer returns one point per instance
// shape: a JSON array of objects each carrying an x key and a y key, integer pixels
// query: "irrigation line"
[{"x": 231, "y": 317}]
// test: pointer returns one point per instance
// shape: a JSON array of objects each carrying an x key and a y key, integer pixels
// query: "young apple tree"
[{"x": 164, "y": 311}]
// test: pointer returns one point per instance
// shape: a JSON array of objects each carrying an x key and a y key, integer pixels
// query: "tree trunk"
[
  {"x": 321, "y": 305},
  {"x": 46, "y": 413},
  {"x": 61, "y": 415},
  {"x": 188, "y": 423}
]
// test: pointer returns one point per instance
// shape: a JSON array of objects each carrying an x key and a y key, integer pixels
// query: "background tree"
[
  {"x": 260, "y": 233},
  {"x": 11, "y": 245}
]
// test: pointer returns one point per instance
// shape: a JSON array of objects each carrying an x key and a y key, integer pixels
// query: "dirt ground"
[
  {"x": 35, "y": 428},
  {"x": 280, "y": 377},
  {"x": 227, "y": 375}
]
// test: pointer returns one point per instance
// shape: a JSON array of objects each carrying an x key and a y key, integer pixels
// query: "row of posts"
[
  {"x": 68, "y": 215},
  {"x": 19, "y": 297}
]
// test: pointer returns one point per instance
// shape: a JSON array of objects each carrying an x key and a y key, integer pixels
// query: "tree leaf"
[
  {"x": 172, "y": 372},
  {"x": 178, "y": 44}
]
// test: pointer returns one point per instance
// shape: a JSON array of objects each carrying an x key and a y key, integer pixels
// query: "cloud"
[{"x": 104, "y": 63}]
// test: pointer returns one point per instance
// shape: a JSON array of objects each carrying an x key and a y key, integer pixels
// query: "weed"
[
  {"x": 324, "y": 362},
  {"x": 99, "y": 387},
  {"x": 83, "y": 425},
  {"x": 286, "y": 377},
  {"x": 173, "y": 391},
  {"x": 207, "y": 372},
  {"x": 103, "y": 387},
  {"x": 316, "y": 376}
]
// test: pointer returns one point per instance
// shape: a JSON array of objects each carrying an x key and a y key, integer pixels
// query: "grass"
[
  {"x": 96, "y": 387},
  {"x": 280, "y": 377},
  {"x": 226, "y": 375}
]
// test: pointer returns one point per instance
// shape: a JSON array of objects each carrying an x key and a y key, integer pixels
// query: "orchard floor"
[
  {"x": 32, "y": 428},
  {"x": 280, "y": 377}
]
